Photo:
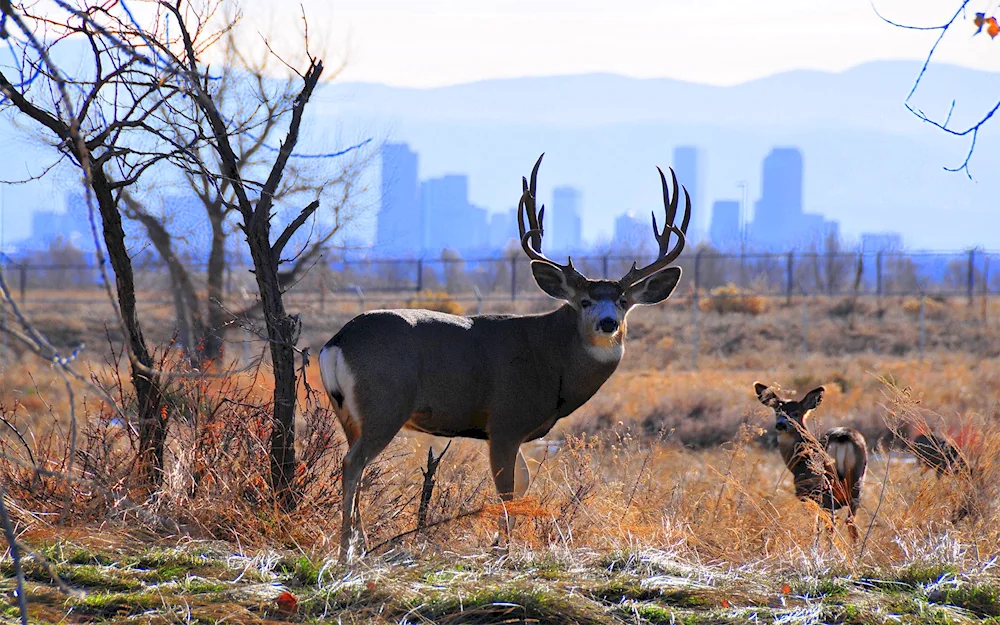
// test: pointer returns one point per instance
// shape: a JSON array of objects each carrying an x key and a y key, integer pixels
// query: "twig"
[
  {"x": 881, "y": 496},
  {"x": 15, "y": 555}
]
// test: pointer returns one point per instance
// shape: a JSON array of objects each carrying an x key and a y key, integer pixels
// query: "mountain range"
[{"x": 869, "y": 162}]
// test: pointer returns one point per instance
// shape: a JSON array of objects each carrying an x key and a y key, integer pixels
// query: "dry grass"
[
  {"x": 732, "y": 299},
  {"x": 666, "y": 460}
]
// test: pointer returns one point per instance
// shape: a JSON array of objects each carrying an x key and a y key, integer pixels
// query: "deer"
[
  {"x": 505, "y": 378},
  {"x": 829, "y": 471},
  {"x": 935, "y": 452}
]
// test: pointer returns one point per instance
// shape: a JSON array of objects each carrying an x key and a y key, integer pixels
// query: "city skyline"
[{"x": 445, "y": 218}]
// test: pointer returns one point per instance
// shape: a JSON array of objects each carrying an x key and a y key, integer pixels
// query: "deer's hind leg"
[{"x": 503, "y": 462}]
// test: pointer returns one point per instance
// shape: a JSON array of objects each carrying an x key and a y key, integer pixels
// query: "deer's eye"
[{"x": 586, "y": 303}]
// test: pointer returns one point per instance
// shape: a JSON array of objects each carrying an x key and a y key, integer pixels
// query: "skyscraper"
[
  {"x": 631, "y": 233},
  {"x": 503, "y": 229},
  {"x": 450, "y": 220},
  {"x": 689, "y": 175},
  {"x": 725, "y": 229},
  {"x": 778, "y": 218},
  {"x": 566, "y": 223},
  {"x": 400, "y": 226}
]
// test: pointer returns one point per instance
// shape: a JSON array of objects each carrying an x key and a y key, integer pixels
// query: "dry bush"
[
  {"x": 933, "y": 309},
  {"x": 436, "y": 300},
  {"x": 732, "y": 299}
]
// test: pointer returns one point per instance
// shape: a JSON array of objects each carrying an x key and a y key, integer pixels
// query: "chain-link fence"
[{"x": 767, "y": 274}]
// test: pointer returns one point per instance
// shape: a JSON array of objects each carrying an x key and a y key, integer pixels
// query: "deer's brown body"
[
  {"x": 935, "y": 452},
  {"x": 830, "y": 470},
  {"x": 505, "y": 379}
]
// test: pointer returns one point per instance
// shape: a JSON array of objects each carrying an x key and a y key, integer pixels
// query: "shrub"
[
  {"x": 732, "y": 299},
  {"x": 436, "y": 300},
  {"x": 933, "y": 309}
]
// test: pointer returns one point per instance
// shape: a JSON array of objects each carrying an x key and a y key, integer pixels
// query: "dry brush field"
[{"x": 662, "y": 500}]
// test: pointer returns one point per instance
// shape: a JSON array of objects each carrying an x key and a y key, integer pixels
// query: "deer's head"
[
  {"x": 602, "y": 305},
  {"x": 789, "y": 415}
]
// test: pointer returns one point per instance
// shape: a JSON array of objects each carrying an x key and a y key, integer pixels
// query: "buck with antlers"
[{"x": 505, "y": 379}]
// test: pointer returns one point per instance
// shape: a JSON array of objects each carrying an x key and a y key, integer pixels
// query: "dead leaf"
[
  {"x": 287, "y": 603},
  {"x": 992, "y": 28}
]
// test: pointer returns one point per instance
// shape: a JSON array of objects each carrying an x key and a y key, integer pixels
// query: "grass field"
[{"x": 661, "y": 500}]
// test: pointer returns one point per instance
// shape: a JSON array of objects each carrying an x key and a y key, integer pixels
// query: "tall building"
[
  {"x": 686, "y": 166},
  {"x": 777, "y": 221},
  {"x": 631, "y": 233},
  {"x": 565, "y": 220},
  {"x": 725, "y": 229},
  {"x": 400, "y": 228},
  {"x": 450, "y": 221},
  {"x": 503, "y": 229}
]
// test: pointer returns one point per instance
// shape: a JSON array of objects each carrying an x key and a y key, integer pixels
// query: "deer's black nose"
[{"x": 608, "y": 324}]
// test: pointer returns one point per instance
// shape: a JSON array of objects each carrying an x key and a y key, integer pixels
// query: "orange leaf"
[
  {"x": 287, "y": 603},
  {"x": 725, "y": 603},
  {"x": 785, "y": 589},
  {"x": 370, "y": 585},
  {"x": 980, "y": 18},
  {"x": 992, "y": 28}
]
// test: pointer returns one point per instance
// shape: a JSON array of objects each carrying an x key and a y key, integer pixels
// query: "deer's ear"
[
  {"x": 656, "y": 287},
  {"x": 552, "y": 280},
  {"x": 813, "y": 398},
  {"x": 766, "y": 395}
]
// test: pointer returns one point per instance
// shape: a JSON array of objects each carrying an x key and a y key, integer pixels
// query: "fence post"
[
  {"x": 361, "y": 297},
  {"x": 790, "y": 276},
  {"x": 604, "y": 262},
  {"x": 921, "y": 342},
  {"x": 805, "y": 324},
  {"x": 479, "y": 300},
  {"x": 513, "y": 278},
  {"x": 24, "y": 280},
  {"x": 986, "y": 288},
  {"x": 420, "y": 275},
  {"x": 694, "y": 308},
  {"x": 972, "y": 274},
  {"x": 694, "y": 329}
]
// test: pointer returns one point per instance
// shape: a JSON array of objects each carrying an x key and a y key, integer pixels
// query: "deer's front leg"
[{"x": 503, "y": 459}]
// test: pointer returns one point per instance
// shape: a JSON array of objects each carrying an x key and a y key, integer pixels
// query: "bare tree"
[
  {"x": 253, "y": 202},
  {"x": 103, "y": 120},
  {"x": 149, "y": 103},
  {"x": 978, "y": 24},
  {"x": 256, "y": 108}
]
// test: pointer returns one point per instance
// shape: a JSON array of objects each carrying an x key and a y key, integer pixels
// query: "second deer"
[
  {"x": 935, "y": 452},
  {"x": 829, "y": 471}
]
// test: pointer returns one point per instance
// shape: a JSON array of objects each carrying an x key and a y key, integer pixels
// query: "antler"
[
  {"x": 535, "y": 231},
  {"x": 666, "y": 254}
]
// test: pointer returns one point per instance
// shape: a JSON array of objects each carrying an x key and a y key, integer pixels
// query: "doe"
[
  {"x": 505, "y": 379},
  {"x": 829, "y": 471},
  {"x": 935, "y": 452}
]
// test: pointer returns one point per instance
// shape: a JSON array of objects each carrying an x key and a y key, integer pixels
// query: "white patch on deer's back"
[
  {"x": 338, "y": 377},
  {"x": 606, "y": 353}
]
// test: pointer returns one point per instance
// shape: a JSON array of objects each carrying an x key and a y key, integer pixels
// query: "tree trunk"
[
  {"x": 152, "y": 423},
  {"x": 214, "y": 348},
  {"x": 282, "y": 333}
]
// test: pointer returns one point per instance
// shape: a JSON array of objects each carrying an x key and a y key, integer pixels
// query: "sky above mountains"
[
  {"x": 720, "y": 42},
  {"x": 607, "y": 90}
]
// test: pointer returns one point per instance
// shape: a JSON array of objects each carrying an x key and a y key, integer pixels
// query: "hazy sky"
[{"x": 437, "y": 42}]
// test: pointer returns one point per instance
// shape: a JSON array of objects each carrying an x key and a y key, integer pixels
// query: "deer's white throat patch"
[{"x": 611, "y": 352}]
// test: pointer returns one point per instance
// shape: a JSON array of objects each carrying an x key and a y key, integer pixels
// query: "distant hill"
[{"x": 868, "y": 161}]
